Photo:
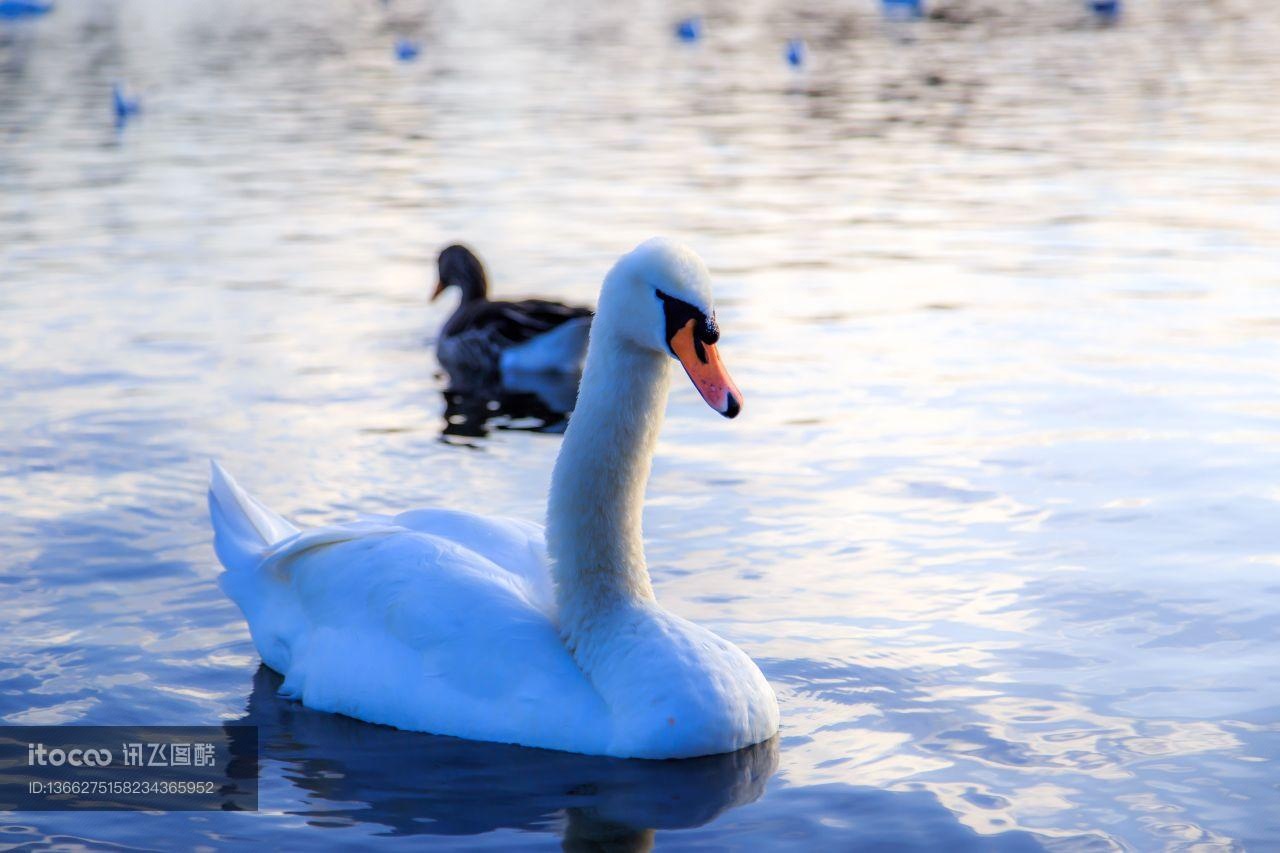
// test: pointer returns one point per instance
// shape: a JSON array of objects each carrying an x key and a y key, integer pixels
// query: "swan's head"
[
  {"x": 658, "y": 297},
  {"x": 459, "y": 267}
]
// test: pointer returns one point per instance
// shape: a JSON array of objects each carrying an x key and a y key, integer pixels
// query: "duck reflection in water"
[
  {"x": 538, "y": 402},
  {"x": 350, "y": 772}
]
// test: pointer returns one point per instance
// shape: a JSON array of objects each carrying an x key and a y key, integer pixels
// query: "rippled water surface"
[{"x": 1001, "y": 518}]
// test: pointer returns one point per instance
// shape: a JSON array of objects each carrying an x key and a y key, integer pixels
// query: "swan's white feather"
[
  {"x": 420, "y": 630},
  {"x": 243, "y": 527},
  {"x": 444, "y": 622}
]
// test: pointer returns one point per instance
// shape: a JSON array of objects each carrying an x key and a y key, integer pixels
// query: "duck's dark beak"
[
  {"x": 702, "y": 363},
  {"x": 440, "y": 288}
]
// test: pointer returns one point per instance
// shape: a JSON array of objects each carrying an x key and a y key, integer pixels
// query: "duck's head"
[
  {"x": 459, "y": 267},
  {"x": 658, "y": 297}
]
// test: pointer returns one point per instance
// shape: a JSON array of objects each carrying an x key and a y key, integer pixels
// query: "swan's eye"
[{"x": 710, "y": 331}]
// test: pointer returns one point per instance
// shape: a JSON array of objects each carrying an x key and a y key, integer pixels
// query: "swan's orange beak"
[
  {"x": 440, "y": 288},
  {"x": 702, "y": 363}
]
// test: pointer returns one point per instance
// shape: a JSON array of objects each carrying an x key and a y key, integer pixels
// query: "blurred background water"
[{"x": 1001, "y": 518}]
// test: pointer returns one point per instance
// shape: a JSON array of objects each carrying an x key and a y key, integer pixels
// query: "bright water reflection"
[{"x": 1000, "y": 516}]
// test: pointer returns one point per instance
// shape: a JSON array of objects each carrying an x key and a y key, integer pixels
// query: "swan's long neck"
[{"x": 597, "y": 489}]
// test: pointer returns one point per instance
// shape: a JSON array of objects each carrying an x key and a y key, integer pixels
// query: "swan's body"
[
  {"x": 496, "y": 338},
  {"x": 456, "y": 624}
]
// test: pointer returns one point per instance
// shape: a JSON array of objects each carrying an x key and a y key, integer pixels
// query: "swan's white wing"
[
  {"x": 515, "y": 545},
  {"x": 412, "y": 629}
]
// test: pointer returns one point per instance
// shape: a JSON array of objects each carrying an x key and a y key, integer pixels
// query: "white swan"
[{"x": 457, "y": 624}]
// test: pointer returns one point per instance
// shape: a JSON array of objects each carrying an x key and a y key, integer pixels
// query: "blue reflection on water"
[{"x": 998, "y": 519}]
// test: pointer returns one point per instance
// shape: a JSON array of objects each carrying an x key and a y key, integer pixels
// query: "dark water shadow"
[
  {"x": 535, "y": 402},
  {"x": 349, "y": 773}
]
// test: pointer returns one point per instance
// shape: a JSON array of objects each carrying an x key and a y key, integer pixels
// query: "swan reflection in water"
[
  {"x": 537, "y": 402},
  {"x": 352, "y": 772}
]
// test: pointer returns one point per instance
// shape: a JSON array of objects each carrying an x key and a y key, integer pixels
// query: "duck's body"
[
  {"x": 493, "y": 337},
  {"x": 456, "y": 624}
]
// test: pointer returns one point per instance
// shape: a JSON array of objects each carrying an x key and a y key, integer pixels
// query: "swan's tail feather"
[{"x": 243, "y": 528}]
